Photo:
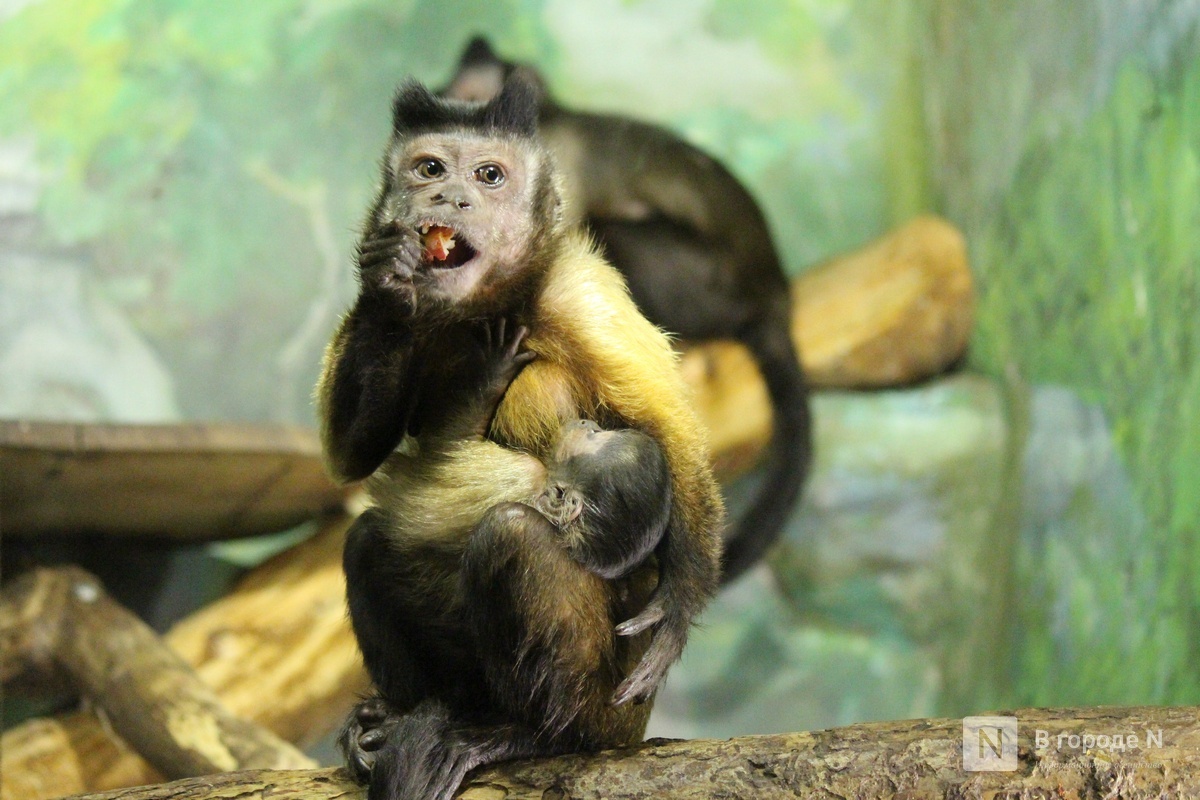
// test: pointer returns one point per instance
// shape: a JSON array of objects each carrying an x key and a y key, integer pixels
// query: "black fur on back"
[{"x": 514, "y": 110}]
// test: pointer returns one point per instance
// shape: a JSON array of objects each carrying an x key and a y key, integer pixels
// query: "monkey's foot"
[
  {"x": 427, "y": 755},
  {"x": 665, "y": 648},
  {"x": 366, "y": 731}
]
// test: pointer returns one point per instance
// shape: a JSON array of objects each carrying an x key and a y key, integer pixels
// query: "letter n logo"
[{"x": 989, "y": 744}]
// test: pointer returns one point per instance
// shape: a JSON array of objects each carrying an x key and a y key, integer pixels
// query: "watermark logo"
[{"x": 989, "y": 744}]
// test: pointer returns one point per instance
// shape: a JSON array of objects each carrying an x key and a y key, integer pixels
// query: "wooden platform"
[{"x": 197, "y": 482}]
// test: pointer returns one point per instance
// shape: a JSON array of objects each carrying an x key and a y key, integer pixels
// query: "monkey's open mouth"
[{"x": 444, "y": 247}]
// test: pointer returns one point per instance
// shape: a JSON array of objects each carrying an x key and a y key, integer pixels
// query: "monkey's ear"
[
  {"x": 415, "y": 107},
  {"x": 516, "y": 108},
  {"x": 479, "y": 53},
  {"x": 480, "y": 74}
]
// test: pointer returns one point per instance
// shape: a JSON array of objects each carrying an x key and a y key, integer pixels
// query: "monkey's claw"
[{"x": 649, "y": 616}]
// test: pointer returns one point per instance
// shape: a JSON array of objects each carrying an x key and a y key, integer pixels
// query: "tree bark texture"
[{"x": 911, "y": 760}]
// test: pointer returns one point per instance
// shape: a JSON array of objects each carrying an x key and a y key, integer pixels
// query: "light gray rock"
[{"x": 68, "y": 354}]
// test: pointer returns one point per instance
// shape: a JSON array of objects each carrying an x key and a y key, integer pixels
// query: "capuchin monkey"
[
  {"x": 511, "y": 626},
  {"x": 696, "y": 252},
  {"x": 484, "y": 641}
]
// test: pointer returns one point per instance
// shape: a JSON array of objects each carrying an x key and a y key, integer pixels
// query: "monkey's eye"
[
  {"x": 430, "y": 168},
  {"x": 490, "y": 175}
]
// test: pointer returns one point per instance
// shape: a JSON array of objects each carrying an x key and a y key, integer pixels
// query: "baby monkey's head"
[{"x": 606, "y": 481}]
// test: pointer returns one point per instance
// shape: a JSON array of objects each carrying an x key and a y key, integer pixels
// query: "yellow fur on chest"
[{"x": 538, "y": 402}]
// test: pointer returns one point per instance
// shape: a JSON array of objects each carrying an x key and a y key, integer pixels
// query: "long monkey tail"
[{"x": 789, "y": 452}]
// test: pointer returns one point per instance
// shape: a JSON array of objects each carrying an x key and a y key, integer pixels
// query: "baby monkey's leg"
[{"x": 543, "y": 626}]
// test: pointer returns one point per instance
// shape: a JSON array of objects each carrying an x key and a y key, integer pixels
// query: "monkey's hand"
[
  {"x": 387, "y": 261},
  {"x": 501, "y": 345},
  {"x": 665, "y": 648},
  {"x": 502, "y": 342},
  {"x": 366, "y": 731}
]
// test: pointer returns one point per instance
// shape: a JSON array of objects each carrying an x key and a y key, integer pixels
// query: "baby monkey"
[{"x": 529, "y": 598}]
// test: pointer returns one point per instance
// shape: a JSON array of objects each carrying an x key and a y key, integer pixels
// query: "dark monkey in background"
[
  {"x": 452, "y": 576},
  {"x": 696, "y": 252}
]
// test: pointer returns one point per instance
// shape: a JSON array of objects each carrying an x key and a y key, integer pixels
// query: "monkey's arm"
[{"x": 366, "y": 394}]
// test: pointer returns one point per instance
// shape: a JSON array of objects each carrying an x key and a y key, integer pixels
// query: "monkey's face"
[
  {"x": 577, "y": 455},
  {"x": 469, "y": 196}
]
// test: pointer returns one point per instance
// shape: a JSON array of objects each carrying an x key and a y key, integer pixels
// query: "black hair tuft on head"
[
  {"x": 416, "y": 108},
  {"x": 514, "y": 110}
]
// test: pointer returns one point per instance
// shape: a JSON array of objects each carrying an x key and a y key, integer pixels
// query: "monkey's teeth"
[{"x": 424, "y": 229}]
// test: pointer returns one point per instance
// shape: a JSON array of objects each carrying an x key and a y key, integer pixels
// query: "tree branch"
[
  {"x": 912, "y": 759},
  {"x": 277, "y": 651},
  {"x": 152, "y": 699}
]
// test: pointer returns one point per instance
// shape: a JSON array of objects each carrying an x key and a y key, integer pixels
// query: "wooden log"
[
  {"x": 895, "y": 312},
  {"x": 191, "y": 482},
  {"x": 277, "y": 651},
  {"x": 912, "y": 759},
  {"x": 63, "y": 619}
]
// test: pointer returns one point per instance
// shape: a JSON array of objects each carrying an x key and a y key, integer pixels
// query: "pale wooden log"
[
  {"x": 190, "y": 482},
  {"x": 895, "y": 312},
  {"x": 277, "y": 651},
  {"x": 911, "y": 759},
  {"x": 148, "y": 694}
]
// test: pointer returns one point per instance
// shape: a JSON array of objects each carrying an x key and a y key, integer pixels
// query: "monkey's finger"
[
  {"x": 372, "y": 739},
  {"x": 518, "y": 339},
  {"x": 371, "y": 712},
  {"x": 375, "y": 244}
]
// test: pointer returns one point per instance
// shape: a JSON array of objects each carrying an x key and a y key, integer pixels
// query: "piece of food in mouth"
[{"x": 438, "y": 241}]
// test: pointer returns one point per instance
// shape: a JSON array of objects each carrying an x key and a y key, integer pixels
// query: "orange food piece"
[{"x": 438, "y": 242}]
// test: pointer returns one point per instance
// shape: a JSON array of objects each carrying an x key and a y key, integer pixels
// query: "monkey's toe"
[
  {"x": 649, "y": 616},
  {"x": 361, "y": 763},
  {"x": 373, "y": 739},
  {"x": 371, "y": 712}
]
